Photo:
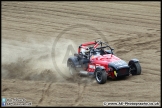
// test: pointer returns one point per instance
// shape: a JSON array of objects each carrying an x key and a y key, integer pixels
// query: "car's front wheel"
[
  {"x": 101, "y": 76},
  {"x": 135, "y": 68}
]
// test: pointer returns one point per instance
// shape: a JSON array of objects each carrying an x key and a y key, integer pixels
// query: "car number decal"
[{"x": 92, "y": 66}]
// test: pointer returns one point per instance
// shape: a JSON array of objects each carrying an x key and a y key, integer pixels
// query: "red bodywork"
[{"x": 100, "y": 60}]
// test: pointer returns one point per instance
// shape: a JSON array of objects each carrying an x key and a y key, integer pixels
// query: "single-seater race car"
[{"x": 97, "y": 58}]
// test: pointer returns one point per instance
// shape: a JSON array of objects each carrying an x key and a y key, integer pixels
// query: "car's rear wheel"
[
  {"x": 74, "y": 75},
  {"x": 101, "y": 76},
  {"x": 72, "y": 69},
  {"x": 135, "y": 68}
]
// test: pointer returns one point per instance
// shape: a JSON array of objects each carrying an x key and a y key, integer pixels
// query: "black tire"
[
  {"x": 72, "y": 68},
  {"x": 73, "y": 72},
  {"x": 101, "y": 76},
  {"x": 135, "y": 68}
]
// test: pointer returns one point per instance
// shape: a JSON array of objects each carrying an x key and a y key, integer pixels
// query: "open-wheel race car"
[{"x": 97, "y": 58}]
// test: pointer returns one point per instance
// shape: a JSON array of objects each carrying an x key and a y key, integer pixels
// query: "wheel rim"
[
  {"x": 98, "y": 76},
  {"x": 133, "y": 68}
]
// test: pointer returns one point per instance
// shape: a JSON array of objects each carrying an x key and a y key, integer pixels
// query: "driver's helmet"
[{"x": 84, "y": 51}]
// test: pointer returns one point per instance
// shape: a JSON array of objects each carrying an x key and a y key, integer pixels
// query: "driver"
[{"x": 85, "y": 51}]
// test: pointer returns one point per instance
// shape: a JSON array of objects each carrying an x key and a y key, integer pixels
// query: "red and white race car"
[{"x": 97, "y": 58}]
